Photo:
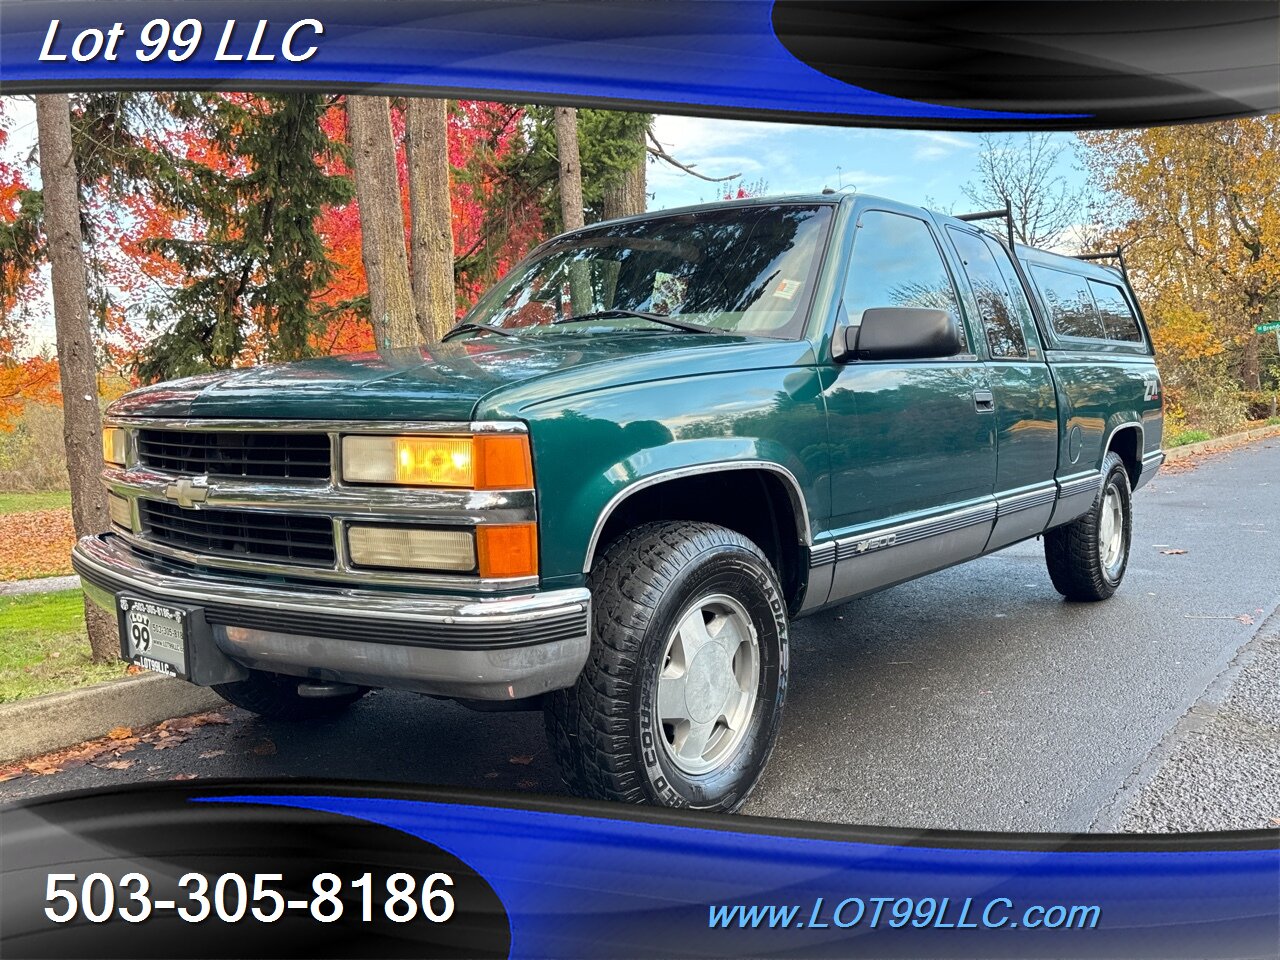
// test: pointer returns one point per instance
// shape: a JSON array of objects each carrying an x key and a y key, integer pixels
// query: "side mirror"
[{"x": 905, "y": 333}]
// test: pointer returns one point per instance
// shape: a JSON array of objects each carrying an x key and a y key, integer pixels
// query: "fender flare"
[{"x": 799, "y": 506}]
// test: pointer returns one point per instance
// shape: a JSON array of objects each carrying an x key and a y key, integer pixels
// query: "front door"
[
  {"x": 912, "y": 442},
  {"x": 1026, "y": 410}
]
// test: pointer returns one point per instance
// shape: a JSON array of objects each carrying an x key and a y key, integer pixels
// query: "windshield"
[{"x": 741, "y": 269}]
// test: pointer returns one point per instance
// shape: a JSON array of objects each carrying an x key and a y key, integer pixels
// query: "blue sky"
[{"x": 914, "y": 166}]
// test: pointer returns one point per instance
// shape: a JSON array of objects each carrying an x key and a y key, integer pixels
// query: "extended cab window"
[
  {"x": 747, "y": 269},
  {"x": 896, "y": 263},
  {"x": 1003, "y": 311},
  {"x": 1070, "y": 304},
  {"x": 1117, "y": 316}
]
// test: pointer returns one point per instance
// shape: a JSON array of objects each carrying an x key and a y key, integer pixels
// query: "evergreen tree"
[{"x": 243, "y": 198}]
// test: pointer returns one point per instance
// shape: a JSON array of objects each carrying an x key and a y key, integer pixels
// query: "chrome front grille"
[
  {"x": 258, "y": 455},
  {"x": 263, "y": 497},
  {"x": 243, "y": 534}
]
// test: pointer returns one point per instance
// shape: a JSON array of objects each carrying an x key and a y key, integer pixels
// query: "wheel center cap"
[{"x": 707, "y": 683}]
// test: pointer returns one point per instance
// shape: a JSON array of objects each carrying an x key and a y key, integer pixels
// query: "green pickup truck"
[{"x": 644, "y": 452}]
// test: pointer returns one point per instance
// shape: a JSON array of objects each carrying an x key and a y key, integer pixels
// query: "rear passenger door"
[
  {"x": 1103, "y": 371},
  {"x": 1026, "y": 412},
  {"x": 912, "y": 441}
]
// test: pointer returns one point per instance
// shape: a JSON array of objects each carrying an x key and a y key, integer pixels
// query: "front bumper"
[{"x": 501, "y": 648}]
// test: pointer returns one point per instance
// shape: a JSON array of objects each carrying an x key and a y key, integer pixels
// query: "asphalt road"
[{"x": 974, "y": 698}]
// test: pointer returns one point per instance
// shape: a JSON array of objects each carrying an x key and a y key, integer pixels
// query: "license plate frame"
[{"x": 155, "y": 636}]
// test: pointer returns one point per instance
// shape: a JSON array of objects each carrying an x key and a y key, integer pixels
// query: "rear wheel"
[
  {"x": 681, "y": 698},
  {"x": 1088, "y": 556},
  {"x": 276, "y": 697}
]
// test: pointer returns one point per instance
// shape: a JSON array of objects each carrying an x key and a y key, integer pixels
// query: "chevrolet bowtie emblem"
[{"x": 188, "y": 491}]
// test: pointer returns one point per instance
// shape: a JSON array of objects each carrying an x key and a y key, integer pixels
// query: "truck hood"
[{"x": 444, "y": 382}]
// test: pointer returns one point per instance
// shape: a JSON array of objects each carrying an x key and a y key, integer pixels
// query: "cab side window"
[
  {"x": 896, "y": 263},
  {"x": 1002, "y": 314},
  {"x": 1117, "y": 316},
  {"x": 1070, "y": 304}
]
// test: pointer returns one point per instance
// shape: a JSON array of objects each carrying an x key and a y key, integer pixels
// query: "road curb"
[
  {"x": 1218, "y": 444},
  {"x": 18, "y": 588},
  {"x": 56, "y": 720}
]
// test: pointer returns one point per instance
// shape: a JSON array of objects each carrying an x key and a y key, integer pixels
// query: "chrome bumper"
[{"x": 501, "y": 648}]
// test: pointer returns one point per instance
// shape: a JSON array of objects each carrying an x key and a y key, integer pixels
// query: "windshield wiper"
[
  {"x": 469, "y": 327},
  {"x": 638, "y": 314}
]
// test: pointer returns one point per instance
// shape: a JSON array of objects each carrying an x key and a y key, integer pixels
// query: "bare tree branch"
[{"x": 656, "y": 149}]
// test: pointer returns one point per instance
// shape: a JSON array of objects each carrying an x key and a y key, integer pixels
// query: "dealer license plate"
[{"x": 154, "y": 636}]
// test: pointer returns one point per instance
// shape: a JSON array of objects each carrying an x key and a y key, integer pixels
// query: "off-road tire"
[
  {"x": 1073, "y": 552},
  {"x": 601, "y": 729},
  {"x": 275, "y": 697}
]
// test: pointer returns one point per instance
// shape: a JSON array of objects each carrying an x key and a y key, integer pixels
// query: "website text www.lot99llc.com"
[{"x": 896, "y": 912}]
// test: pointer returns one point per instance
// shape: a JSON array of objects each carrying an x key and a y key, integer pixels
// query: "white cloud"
[
  {"x": 931, "y": 151},
  {"x": 701, "y": 134},
  {"x": 864, "y": 180}
]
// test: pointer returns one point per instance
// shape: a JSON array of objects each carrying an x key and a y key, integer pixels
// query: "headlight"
[
  {"x": 113, "y": 445},
  {"x": 492, "y": 550},
  {"x": 411, "y": 548},
  {"x": 478, "y": 463}
]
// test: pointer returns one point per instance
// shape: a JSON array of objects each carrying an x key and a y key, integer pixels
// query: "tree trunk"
[
  {"x": 570, "y": 168},
  {"x": 1250, "y": 368},
  {"x": 386, "y": 265},
  {"x": 77, "y": 365},
  {"x": 571, "y": 210},
  {"x": 626, "y": 196},
  {"x": 431, "y": 217},
  {"x": 1250, "y": 362}
]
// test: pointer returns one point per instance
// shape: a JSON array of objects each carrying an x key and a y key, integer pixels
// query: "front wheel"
[
  {"x": 681, "y": 699},
  {"x": 1088, "y": 556}
]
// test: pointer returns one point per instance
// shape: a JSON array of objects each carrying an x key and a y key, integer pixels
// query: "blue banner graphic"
[
  {"x": 312, "y": 870},
  {"x": 905, "y": 63},
  {"x": 576, "y": 885}
]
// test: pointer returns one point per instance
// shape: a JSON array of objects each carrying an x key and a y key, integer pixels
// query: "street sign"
[{"x": 1267, "y": 327}]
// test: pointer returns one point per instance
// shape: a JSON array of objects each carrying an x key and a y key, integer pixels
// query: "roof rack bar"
[
  {"x": 1116, "y": 254},
  {"x": 1005, "y": 213}
]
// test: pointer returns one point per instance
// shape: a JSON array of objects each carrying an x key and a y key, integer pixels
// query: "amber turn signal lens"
[
  {"x": 507, "y": 549},
  {"x": 502, "y": 463}
]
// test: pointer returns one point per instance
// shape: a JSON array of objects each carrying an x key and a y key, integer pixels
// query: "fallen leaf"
[
  {"x": 492, "y": 775},
  {"x": 210, "y": 754},
  {"x": 120, "y": 733},
  {"x": 1172, "y": 553},
  {"x": 36, "y": 543},
  {"x": 528, "y": 784},
  {"x": 116, "y": 764},
  {"x": 264, "y": 748},
  {"x": 521, "y": 761},
  {"x": 168, "y": 742},
  {"x": 1245, "y": 619},
  {"x": 184, "y": 776},
  {"x": 9, "y": 776}
]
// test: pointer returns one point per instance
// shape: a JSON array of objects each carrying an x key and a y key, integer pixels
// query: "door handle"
[{"x": 984, "y": 401}]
